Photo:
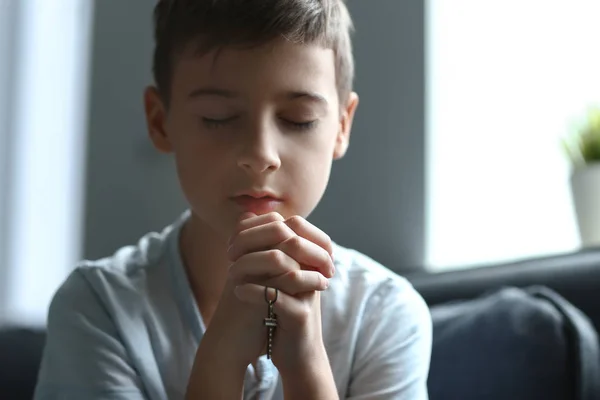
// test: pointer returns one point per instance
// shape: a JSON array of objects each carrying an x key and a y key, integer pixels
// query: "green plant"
[{"x": 583, "y": 145}]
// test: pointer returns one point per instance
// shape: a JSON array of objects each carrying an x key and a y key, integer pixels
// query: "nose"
[{"x": 258, "y": 153}]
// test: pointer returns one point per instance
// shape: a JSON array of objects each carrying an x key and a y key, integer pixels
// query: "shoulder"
[
  {"x": 96, "y": 324},
  {"x": 130, "y": 262},
  {"x": 113, "y": 288},
  {"x": 107, "y": 322},
  {"x": 129, "y": 270},
  {"x": 85, "y": 351}
]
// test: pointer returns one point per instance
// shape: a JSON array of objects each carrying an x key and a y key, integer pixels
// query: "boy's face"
[{"x": 262, "y": 122}]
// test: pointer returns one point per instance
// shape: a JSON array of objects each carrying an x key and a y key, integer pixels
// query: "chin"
[{"x": 213, "y": 224}]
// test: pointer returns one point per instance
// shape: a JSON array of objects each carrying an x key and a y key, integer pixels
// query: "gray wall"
[
  {"x": 375, "y": 201},
  {"x": 131, "y": 189}
]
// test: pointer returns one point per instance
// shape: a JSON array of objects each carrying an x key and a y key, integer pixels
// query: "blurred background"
[{"x": 455, "y": 161}]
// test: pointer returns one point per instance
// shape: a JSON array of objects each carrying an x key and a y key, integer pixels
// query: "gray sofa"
[{"x": 525, "y": 330}]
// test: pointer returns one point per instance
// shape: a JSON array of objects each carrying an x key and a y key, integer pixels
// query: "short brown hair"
[{"x": 214, "y": 24}]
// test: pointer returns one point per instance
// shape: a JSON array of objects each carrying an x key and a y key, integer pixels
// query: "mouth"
[{"x": 257, "y": 202}]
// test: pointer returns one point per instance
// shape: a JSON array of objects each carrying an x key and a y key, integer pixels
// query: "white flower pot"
[{"x": 585, "y": 186}]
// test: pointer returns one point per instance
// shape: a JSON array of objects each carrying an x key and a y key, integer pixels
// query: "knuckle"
[
  {"x": 280, "y": 226},
  {"x": 276, "y": 257},
  {"x": 274, "y": 216},
  {"x": 304, "y": 313},
  {"x": 282, "y": 230},
  {"x": 295, "y": 221},
  {"x": 297, "y": 275},
  {"x": 294, "y": 241}
]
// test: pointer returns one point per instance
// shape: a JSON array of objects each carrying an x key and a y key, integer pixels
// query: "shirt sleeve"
[
  {"x": 394, "y": 346},
  {"x": 84, "y": 357}
]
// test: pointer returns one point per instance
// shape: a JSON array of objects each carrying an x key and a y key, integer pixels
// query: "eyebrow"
[
  {"x": 212, "y": 91},
  {"x": 291, "y": 95},
  {"x": 315, "y": 97}
]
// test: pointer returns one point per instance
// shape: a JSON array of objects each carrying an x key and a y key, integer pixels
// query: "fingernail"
[{"x": 326, "y": 284}]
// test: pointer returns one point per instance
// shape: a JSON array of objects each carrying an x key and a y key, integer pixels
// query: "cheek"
[
  {"x": 199, "y": 165},
  {"x": 191, "y": 176},
  {"x": 311, "y": 182},
  {"x": 198, "y": 162},
  {"x": 309, "y": 170}
]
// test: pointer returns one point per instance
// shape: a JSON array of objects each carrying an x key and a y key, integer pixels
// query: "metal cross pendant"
[{"x": 271, "y": 324}]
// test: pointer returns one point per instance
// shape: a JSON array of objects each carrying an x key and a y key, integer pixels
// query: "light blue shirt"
[{"x": 127, "y": 327}]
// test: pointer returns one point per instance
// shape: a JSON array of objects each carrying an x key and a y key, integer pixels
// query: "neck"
[{"x": 204, "y": 255}]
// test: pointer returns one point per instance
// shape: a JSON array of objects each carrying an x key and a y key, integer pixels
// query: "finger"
[
  {"x": 291, "y": 311},
  {"x": 276, "y": 269},
  {"x": 259, "y": 238},
  {"x": 310, "y": 232},
  {"x": 256, "y": 220},
  {"x": 293, "y": 282},
  {"x": 245, "y": 216},
  {"x": 308, "y": 254},
  {"x": 262, "y": 265},
  {"x": 296, "y": 282}
]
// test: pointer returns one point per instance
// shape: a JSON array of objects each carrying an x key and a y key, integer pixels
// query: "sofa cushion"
[
  {"x": 20, "y": 354},
  {"x": 509, "y": 344}
]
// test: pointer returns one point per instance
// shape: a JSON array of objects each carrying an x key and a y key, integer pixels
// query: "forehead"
[{"x": 277, "y": 65}]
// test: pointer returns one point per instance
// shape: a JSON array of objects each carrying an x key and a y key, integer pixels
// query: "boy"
[{"x": 254, "y": 100}]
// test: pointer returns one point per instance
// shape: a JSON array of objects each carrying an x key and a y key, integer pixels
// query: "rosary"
[{"x": 271, "y": 321}]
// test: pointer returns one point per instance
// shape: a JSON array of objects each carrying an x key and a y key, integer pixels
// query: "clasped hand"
[{"x": 290, "y": 255}]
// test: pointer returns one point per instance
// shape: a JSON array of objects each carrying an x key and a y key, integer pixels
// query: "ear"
[
  {"x": 343, "y": 136},
  {"x": 156, "y": 118}
]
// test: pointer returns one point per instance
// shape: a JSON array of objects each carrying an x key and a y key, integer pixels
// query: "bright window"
[
  {"x": 45, "y": 153},
  {"x": 506, "y": 79}
]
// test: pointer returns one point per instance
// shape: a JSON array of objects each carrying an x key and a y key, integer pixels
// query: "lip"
[
  {"x": 257, "y": 194},
  {"x": 257, "y": 202}
]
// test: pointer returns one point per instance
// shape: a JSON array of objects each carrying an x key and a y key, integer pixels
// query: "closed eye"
[
  {"x": 301, "y": 126},
  {"x": 214, "y": 123}
]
